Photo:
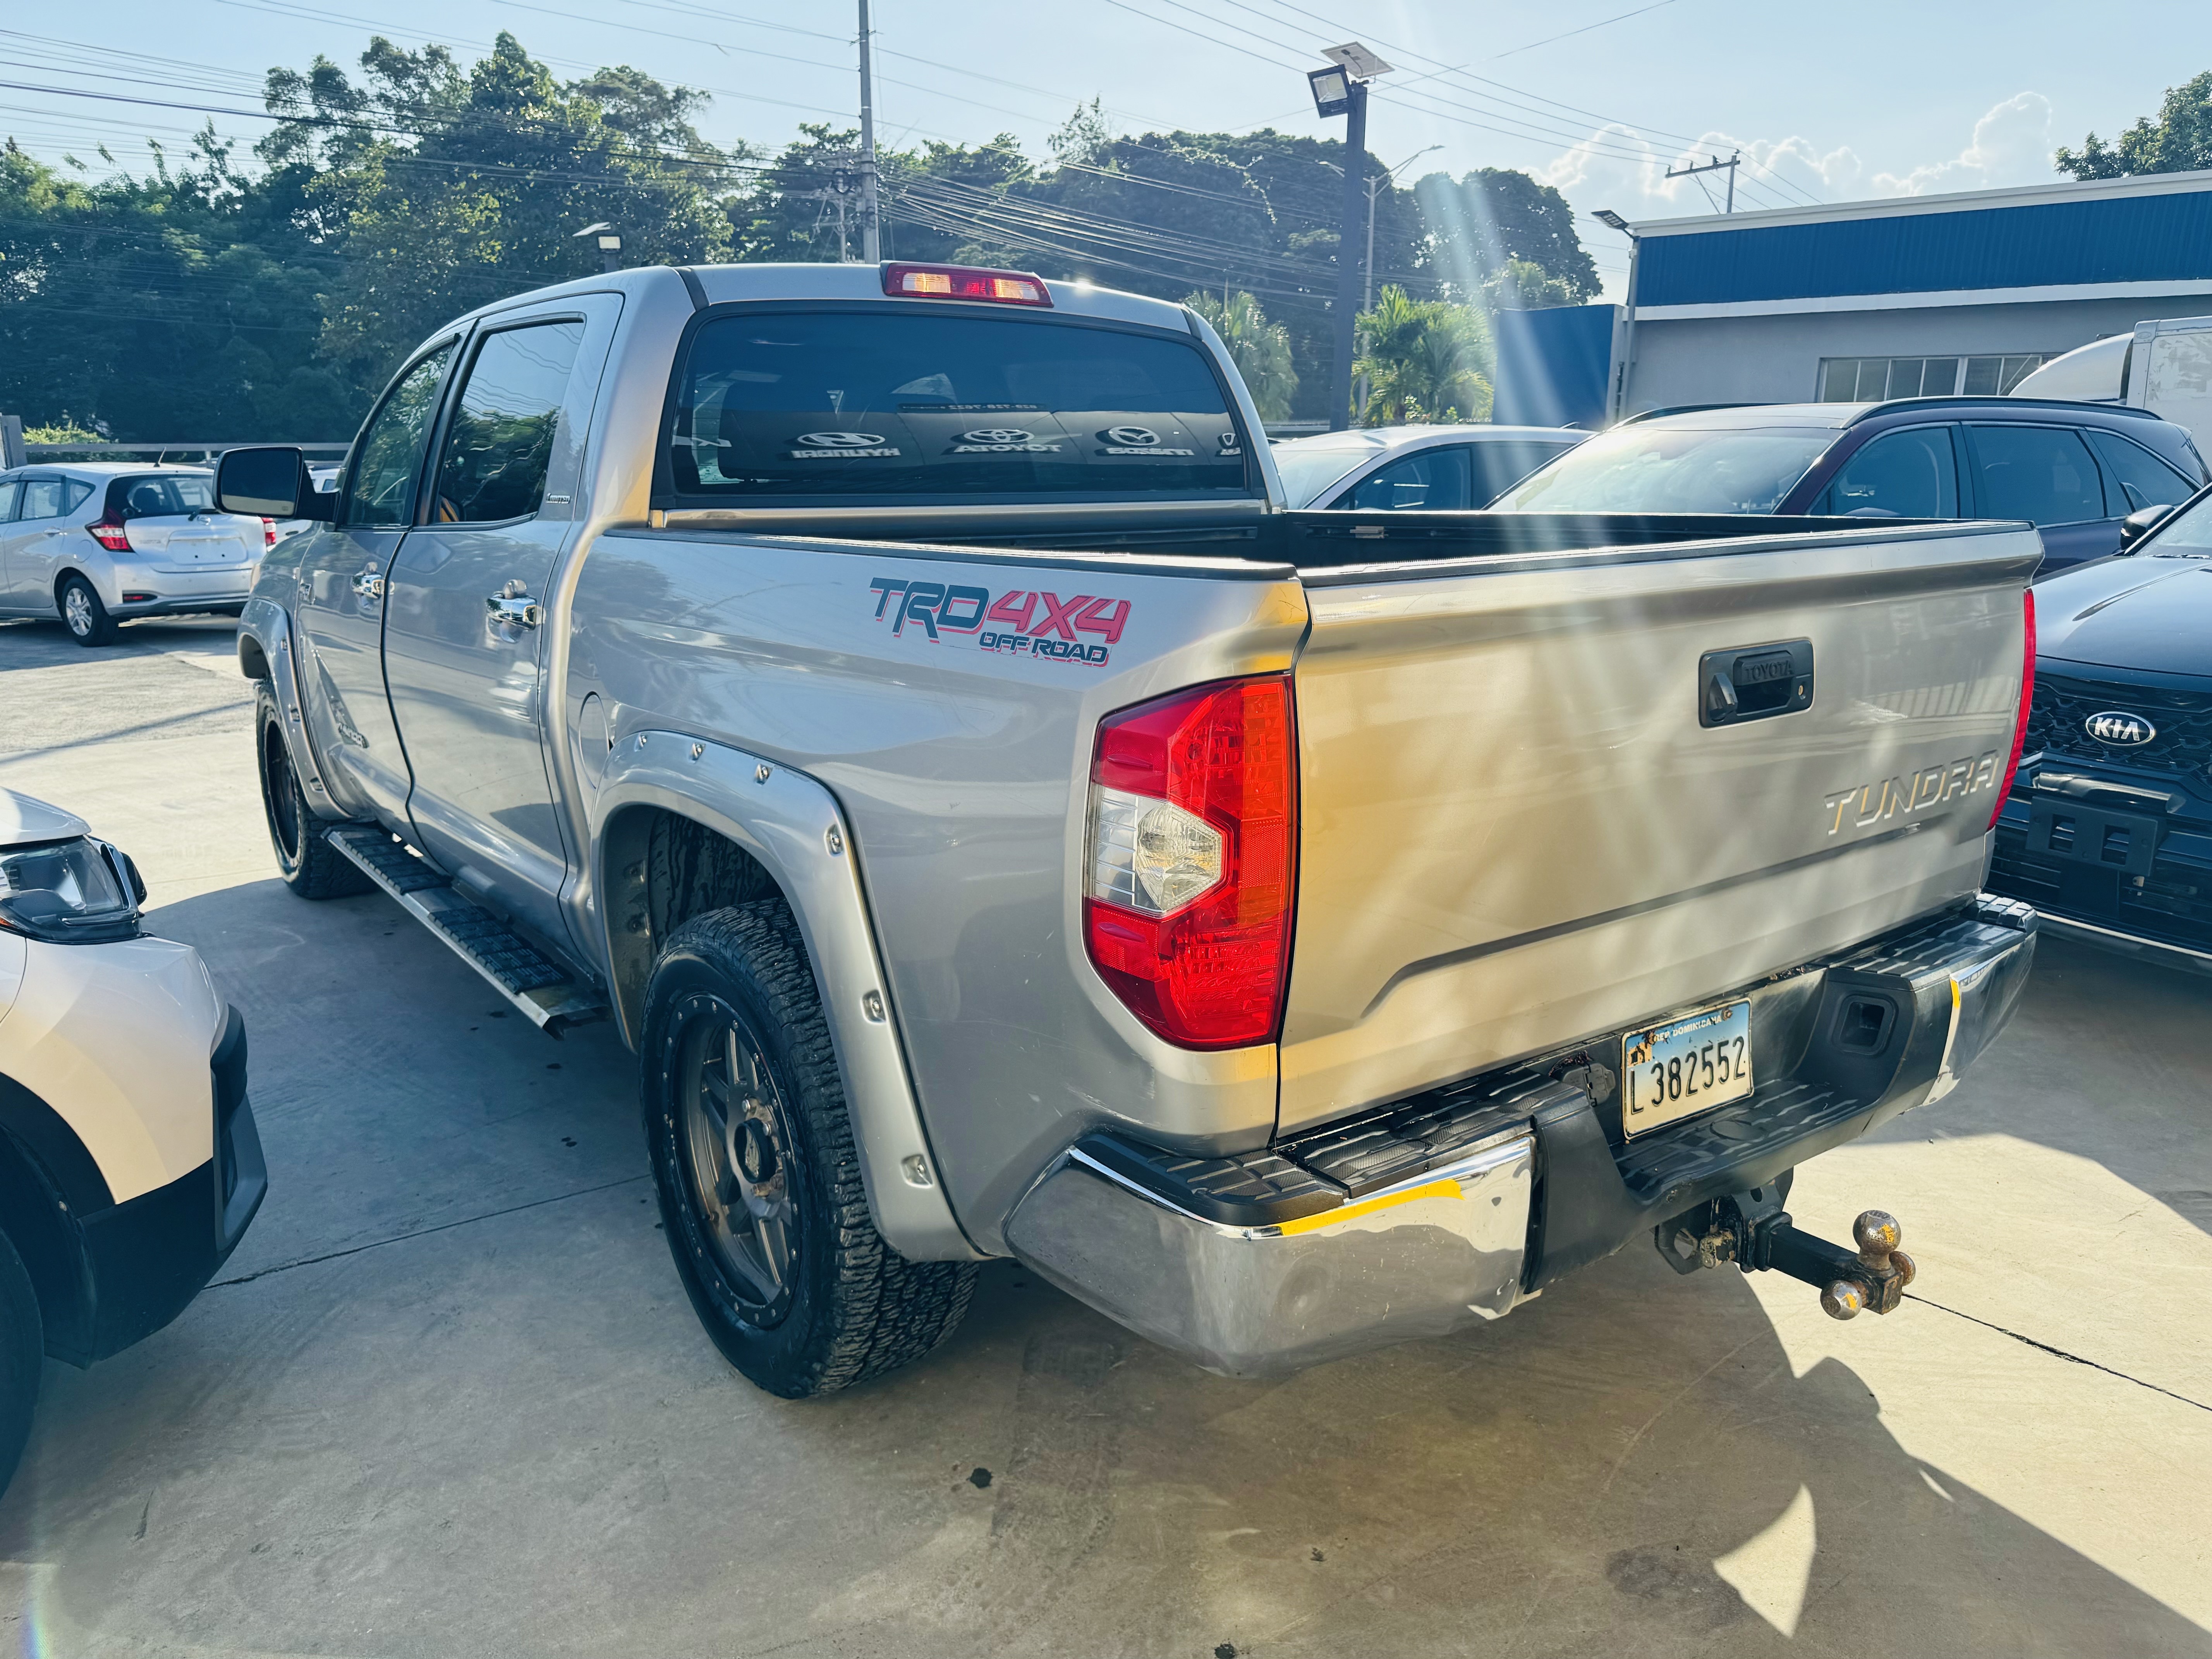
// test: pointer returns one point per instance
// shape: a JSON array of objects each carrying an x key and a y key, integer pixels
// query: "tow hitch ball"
[{"x": 1755, "y": 1232}]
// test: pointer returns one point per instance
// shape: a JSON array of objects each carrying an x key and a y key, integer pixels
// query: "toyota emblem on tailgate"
[{"x": 2119, "y": 729}]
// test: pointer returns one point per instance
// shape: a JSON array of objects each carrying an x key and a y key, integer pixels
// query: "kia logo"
[
  {"x": 840, "y": 440},
  {"x": 1131, "y": 437},
  {"x": 2119, "y": 730},
  {"x": 996, "y": 434}
]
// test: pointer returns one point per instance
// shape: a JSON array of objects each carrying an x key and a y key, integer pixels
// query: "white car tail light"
[
  {"x": 1004, "y": 288},
  {"x": 2027, "y": 706},
  {"x": 1189, "y": 865}
]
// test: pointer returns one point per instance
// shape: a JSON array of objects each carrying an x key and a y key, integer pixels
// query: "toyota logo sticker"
[
  {"x": 1136, "y": 441},
  {"x": 841, "y": 445},
  {"x": 1002, "y": 441}
]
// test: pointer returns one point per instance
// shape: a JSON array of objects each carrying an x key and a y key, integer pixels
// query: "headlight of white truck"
[{"x": 80, "y": 891}]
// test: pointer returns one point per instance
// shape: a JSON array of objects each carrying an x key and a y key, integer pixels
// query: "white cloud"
[
  {"x": 2011, "y": 146},
  {"x": 1617, "y": 168}
]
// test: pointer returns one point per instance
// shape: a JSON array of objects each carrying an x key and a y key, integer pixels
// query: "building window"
[{"x": 1874, "y": 379}]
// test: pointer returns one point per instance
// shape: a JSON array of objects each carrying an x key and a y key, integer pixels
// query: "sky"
[{"x": 1597, "y": 97}]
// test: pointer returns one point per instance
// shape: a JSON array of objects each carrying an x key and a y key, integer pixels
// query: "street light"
[
  {"x": 1341, "y": 89},
  {"x": 1607, "y": 217},
  {"x": 610, "y": 244},
  {"x": 1617, "y": 398}
]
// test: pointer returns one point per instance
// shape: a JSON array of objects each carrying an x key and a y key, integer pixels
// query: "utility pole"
[
  {"x": 1341, "y": 89},
  {"x": 872, "y": 238},
  {"x": 1714, "y": 166}
]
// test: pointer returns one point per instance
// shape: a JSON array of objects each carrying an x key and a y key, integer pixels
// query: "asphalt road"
[{"x": 448, "y": 1397}]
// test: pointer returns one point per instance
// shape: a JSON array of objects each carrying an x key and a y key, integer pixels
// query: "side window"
[
  {"x": 1900, "y": 475},
  {"x": 74, "y": 494},
  {"x": 8, "y": 492},
  {"x": 500, "y": 440},
  {"x": 1497, "y": 467},
  {"x": 2141, "y": 477},
  {"x": 2044, "y": 474},
  {"x": 1431, "y": 480},
  {"x": 43, "y": 498},
  {"x": 382, "y": 488}
]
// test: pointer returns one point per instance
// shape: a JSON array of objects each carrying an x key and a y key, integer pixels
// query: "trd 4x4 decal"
[{"x": 1034, "y": 624}]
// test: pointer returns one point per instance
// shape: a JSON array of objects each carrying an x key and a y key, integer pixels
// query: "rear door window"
[
  {"x": 1900, "y": 475},
  {"x": 2044, "y": 474},
  {"x": 900, "y": 403},
  {"x": 500, "y": 441},
  {"x": 1428, "y": 481},
  {"x": 44, "y": 498},
  {"x": 2141, "y": 479}
]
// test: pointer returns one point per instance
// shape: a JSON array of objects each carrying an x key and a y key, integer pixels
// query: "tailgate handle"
[{"x": 1754, "y": 681}]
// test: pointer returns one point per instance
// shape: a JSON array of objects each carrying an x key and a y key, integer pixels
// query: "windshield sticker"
[
  {"x": 840, "y": 446},
  {"x": 1019, "y": 623},
  {"x": 1136, "y": 441}
]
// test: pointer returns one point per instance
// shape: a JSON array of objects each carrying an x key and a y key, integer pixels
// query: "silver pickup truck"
[{"x": 899, "y": 699}]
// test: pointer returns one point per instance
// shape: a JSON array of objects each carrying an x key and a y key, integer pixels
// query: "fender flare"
[
  {"x": 790, "y": 824},
  {"x": 264, "y": 632}
]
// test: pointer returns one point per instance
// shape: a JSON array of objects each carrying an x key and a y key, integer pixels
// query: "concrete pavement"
[{"x": 448, "y": 1397}]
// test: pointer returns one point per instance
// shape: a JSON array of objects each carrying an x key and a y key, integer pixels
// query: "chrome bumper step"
[{"x": 539, "y": 988}]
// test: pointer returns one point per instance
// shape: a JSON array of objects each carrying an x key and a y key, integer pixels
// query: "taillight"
[
  {"x": 110, "y": 535},
  {"x": 2026, "y": 703},
  {"x": 268, "y": 534},
  {"x": 1003, "y": 288},
  {"x": 1191, "y": 860}
]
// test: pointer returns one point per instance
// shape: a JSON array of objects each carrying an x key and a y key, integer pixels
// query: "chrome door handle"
[
  {"x": 368, "y": 586},
  {"x": 519, "y": 609}
]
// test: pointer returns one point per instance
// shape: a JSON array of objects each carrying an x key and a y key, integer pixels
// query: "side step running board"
[{"x": 544, "y": 993}]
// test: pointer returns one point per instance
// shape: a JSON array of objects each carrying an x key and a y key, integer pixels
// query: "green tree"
[
  {"x": 1524, "y": 285},
  {"x": 439, "y": 190},
  {"x": 1261, "y": 349},
  {"x": 1425, "y": 361},
  {"x": 1481, "y": 225},
  {"x": 2179, "y": 140}
]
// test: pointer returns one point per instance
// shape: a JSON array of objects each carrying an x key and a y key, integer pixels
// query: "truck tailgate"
[{"x": 1516, "y": 832}]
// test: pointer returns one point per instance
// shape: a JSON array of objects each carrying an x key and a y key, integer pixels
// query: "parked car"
[
  {"x": 98, "y": 543},
  {"x": 902, "y": 700},
  {"x": 1429, "y": 468},
  {"x": 2164, "y": 366},
  {"x": 2108, "y": 827},
  {"x": 2074, "y": 471},
  {"x": 324, "y": 478},
  {"x": 129, "y": 1165}
]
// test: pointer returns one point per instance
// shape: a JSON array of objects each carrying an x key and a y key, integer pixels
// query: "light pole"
[
  {"x": 610, "y": 244},
  {"x": 1341, "y": 89},
  {"x": 1619, "y": 399},
  {"x": 872, "y": 235},
  {"x": 1375, "y": 184}
]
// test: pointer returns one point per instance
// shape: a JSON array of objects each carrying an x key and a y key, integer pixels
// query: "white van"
[{"x": 2165, "y": 365}]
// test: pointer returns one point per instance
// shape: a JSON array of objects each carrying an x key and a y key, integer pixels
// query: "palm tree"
[
  {"x": 1425, "y": 360},
  {"x": 1261, "y": 349}
]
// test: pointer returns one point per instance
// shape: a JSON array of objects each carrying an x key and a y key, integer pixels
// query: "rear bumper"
[{"x": 1447, "y": 1209}]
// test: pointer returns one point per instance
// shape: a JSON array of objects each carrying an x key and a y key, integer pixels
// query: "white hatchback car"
[
  {"x": 130, "y": 1164},
  {"x": 97, "y": 543},
  {"x": 1415, "y": 468}
]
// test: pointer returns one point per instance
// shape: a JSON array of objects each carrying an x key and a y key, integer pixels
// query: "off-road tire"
[
  {"x": 852, "y": 1307},
  {"x": 22, "y": 1349},
  {"x": 310, "y": 866},
  {"x": 77, "y": 603}
]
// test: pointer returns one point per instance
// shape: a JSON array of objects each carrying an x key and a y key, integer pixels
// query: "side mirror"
[
  {"x": 2136, "y": 525},
  {"x": 270, "y": 483}
]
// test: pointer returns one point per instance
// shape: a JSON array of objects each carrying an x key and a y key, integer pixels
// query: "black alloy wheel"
[
  {"x": 310, "y": 866},
  {"x": 761, "y": 1194}
]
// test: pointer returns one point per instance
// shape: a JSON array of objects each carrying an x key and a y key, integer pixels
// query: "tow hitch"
[{"x": 1755, "y": 1232}]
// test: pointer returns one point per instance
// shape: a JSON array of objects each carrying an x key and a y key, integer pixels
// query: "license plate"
[{"x": 1685, "y": 1066}]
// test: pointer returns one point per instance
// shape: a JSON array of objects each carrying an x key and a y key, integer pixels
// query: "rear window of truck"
[{"x": 904, "y": 404}]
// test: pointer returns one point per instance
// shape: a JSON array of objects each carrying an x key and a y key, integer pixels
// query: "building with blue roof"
[{"x": 1914, "y": 296}]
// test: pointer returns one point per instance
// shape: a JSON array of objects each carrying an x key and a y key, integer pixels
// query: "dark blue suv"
[{"x": 2074, "y": 471}]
